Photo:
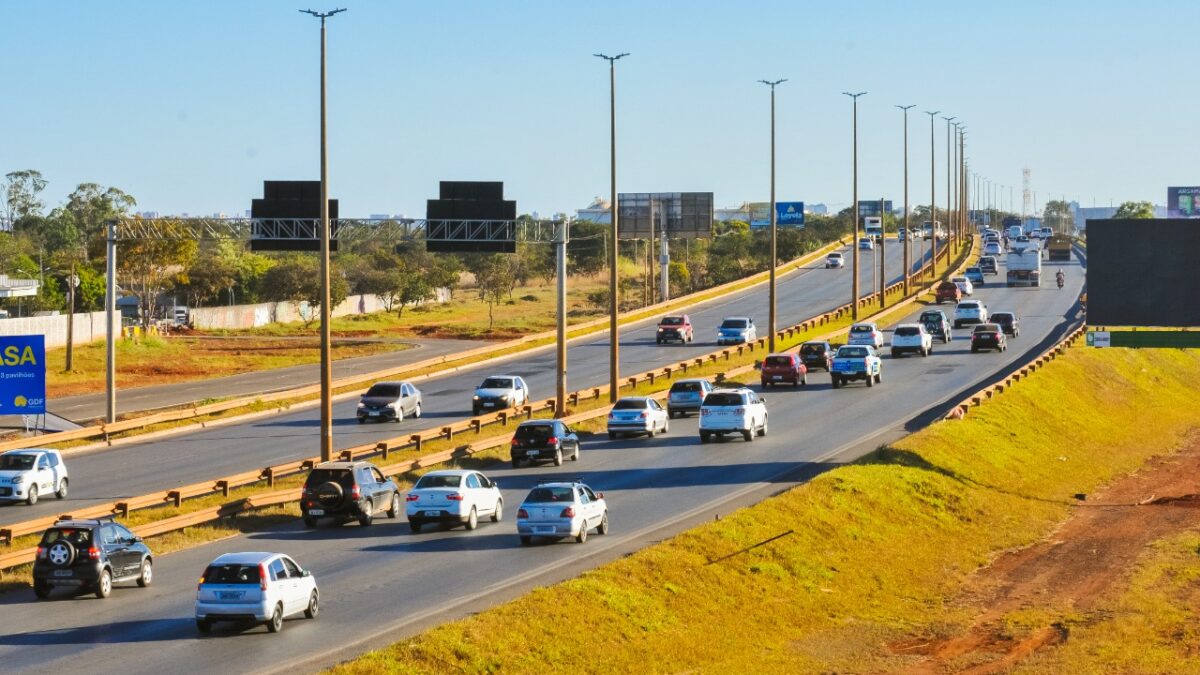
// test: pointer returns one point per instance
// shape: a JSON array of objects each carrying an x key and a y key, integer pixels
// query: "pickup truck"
[{"x": 856, "y": 362}]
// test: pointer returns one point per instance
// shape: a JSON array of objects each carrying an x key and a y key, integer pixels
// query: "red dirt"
[{"x": 1071, "y": 570}]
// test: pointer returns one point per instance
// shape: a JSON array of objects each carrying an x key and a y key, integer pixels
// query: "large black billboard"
[{"x": 1143, "y": 272}]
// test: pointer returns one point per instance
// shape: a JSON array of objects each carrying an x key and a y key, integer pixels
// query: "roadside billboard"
[
  {"x": 1183, "y": 202},
  {"x": 871, "y": 207},
  {"x": 680, "y": 214},
  {"x": 787, "y": 214},
  {"x": 22, "y": 375}
]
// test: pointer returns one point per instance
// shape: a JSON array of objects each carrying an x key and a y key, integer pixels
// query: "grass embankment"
[{"x": 878, "y": 546}]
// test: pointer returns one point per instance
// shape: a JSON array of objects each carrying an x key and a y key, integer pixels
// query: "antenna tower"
[{"x": 1026, "y": 207}]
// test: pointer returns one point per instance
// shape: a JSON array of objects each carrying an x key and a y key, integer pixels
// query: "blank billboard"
[
  {"x": 1143, "y": 272},
  {"x": 683, "y": 214}
]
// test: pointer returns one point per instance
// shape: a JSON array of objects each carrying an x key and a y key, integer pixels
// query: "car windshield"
[
  {"x": 384, "y": 390},
  {"x": 908, "y": 331},
  {"x": 687, "y": 386},
  {"x": 630, "y": 404},
  {"x": 16, "y": 462},
  {"x": 734, "y": 323},
  {"x": 969, "y": 306},
  {"x": 342, "y": 477},
  {"x": 80, "y": 537},
  {"x": 778, "y": 361},
  {"x": 861, "y": 329},
  {"x": 497, "y": 383},
  {"x": 812, "y": 349},
  {"x": 723, "y": 398},
  {"x": 852, "y": 352},
  {"x": 438, "y": 481},
  {"x": 550, "y": 494},
  {"x": 231, "y": 574},
  {"x": 535, "y": 432},
  {"x": 835, "y": 255},
  {"x": 672, "y": 321}
]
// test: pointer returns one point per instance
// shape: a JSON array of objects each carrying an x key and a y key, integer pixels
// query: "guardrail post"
[
  {"x": 699, "y": 362},
  {"x": 683, "y": 366},
  {"x": 632, "y": 382},
  {"x": 346, "y": 456},
  {"x": 175, "y": 497},
  {"x": 667, "y": 372},
  {"x": 223, "y": 487},
  {"x": 121, "y": 509},
  {"x": 725, "y": 352},
  {"x": 307, "y": 465},
  {"x": 528, "y": 412},
  {"x": 551, "y": 404},
  {"x": 448, "y": 432},
  {"x": 503, "y": 418},
  {"x": 476, "y": 423},
  {"x": 269, "y": 474},
  {"x": 6, "y": 537},
  {"x": 574, "y": 398},
  {"x": 416, "y": 441},
  {"x": 382, "y": 448},
  {"x": 596, "y": 393},
  {"x": 650, "y": 375}
]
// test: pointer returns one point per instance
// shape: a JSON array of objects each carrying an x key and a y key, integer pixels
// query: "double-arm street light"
[
  {"x": 907, "y": 226},
  {"x": 326, "y": 360},
  {"x": 949, "y": 192},
  {"x": 772, "y": 328},
  {"x": 614, "y": 368},
  {"x": 854, "y": 208},
  {"x": 932, "y": 199}
]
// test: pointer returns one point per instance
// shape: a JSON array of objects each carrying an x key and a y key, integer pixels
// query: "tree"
[
  {"x": 1058, "y": 216},
  {"x": 154, "y": 266},
  {"x": 297, "y": 278},
  {"x": 21, "y": 189},
  {"x": 213, "y": 272},
  {"x": 494, "y": 276},
  {"x": 90, "y": 207},
  {"x": 1139, "y": 210}
]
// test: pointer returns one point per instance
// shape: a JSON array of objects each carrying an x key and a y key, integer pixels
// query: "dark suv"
[
  {"x": 817, "y": 354},
  {"x": 542, "y": 441},
  {"x": 346, "y": 491},
  {"x": 90, "y": 555}
]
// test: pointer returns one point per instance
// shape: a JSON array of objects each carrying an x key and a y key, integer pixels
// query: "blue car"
[{"x": 975, "y": 274}]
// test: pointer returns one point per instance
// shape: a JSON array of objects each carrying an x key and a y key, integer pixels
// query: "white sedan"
[
  {"x": 835, "y": 260},
  {"x": 267, "y": 587},
  {"x": 637, "y": 415},
  {"x": 454, "y": 497},
  {"x": 964, "y": 284},
  {"x": 865, "y": 334}
]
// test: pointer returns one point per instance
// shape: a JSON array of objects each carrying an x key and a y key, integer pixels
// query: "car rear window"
[
  {"x": 16, "y": 462},
  {"x": 908, "y": 331},
  {"x": 972, "y": 269},
  {"x": 734, "y": 323},
  {"x": 80, "y": 537},
  {"x": 342, "y": 477},
  {"x": 550, "y": 494},
  {"x": 438, "y": 481},
  {"x": 672, "y": 321},
  {"x": 968, "y": 305},
  {"x": 987, "y": 328},
  {"x": 687, "y": 386},
  {"x": 852, "y": 352},
  {"x": 947, "y": 285},
  {"x": 232, "y": 574},
  {"x": 497, "y": 383},
  {"x": 723, "y": 398},
  {"x": 861, "y": 329},
  {"x": 778, "y": 361},
  {"x": 812, "y": 349},
  {"x": 630, "y": 404},
  {"x": 1002, "y": 317},
  {"x": 931, "y": 316},
  {"x": 535, "y": 432},
  {"x": 384, "y": 390}
]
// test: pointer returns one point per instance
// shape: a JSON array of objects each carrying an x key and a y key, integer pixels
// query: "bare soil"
[{"x": 1080, "y": 563}]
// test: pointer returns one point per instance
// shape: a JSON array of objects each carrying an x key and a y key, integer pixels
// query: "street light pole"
[
  {"x": 614, "y": 367},
  {"x": 932, "y": 200},
  {"x": 560, "y": 267},
  {"x": 771, "y": 207},
  {"x": 854, "y": 208},
  {"x": 326, "y": 358},
  {"x": 907, "y": 226},
  {"x": 949, "y": 179}
]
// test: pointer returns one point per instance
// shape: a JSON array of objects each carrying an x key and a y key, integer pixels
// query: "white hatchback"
[
  {"x": 457, "y": 497},
  {"x": 964, "y": 284},
  {"x": 26, "y": 475},
  {"x": 835, "y": 260},
  {"x": 262, "y": 587},
  {"x": 865, "y": 334}
]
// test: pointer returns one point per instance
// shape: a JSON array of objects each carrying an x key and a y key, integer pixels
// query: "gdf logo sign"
[{"x": 22, "y": 375}]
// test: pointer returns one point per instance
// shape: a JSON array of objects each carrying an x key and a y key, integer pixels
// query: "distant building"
[
  {"x": 816, "y": 209},
  {"x": 596, "y": 212},
  {"x": 741, "y": 213},
  {"x": 1083, "y": 213}
]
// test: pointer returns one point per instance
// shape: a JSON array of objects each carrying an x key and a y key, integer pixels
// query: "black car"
[
  {"x": 90, "y": 555},
  {"x": 348, "y": 491},
  {"x": 988, "y": 336},
  {"x": 817, "y": 354},
  {"x": 936, "y": 324},
  {"x": 543, "y": 441},
  {"x": 1009, "y": 321}
]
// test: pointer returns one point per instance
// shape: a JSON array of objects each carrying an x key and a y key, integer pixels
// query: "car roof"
[
  {"x": 986, "y": 326},
  {"x": 733, "y": 390},
  {"x": 244, "y": 558},
  {"x": 448, "y": 472},
  {"x": 780, "y": 354},
  {"x": 639, "y": 399},
  {"x": 909, "y": 325},
  {"x": 30, "y": 451},
  {"x": 340, "y": 465},
  {"x": 395, "y": 382},
  {"x": 872, "y": 324},
  {"x": 816, "y": 342},
  {"x": 737, "y": 317},
  {"x": 79, "y": 523},
  {"x": 536, "y": 423},
  {"x": 512, "y": 377},
  {"x": 694, "y": 379},
  {"x": 1003, "y": 313}
]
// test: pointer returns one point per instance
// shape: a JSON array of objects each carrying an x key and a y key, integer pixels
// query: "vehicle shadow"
[
  {"x": 107, "y": 632},
  {"x": 328, "y": 530},
  {"x": 419, "y": 543}
]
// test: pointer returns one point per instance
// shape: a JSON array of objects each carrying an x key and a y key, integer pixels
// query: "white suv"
[
  {"x": 264, "y": 587},
  {"x": 911, "y": 337},
  {"x": 26, "y": 475},
  {"x": 729, "y": 411},
  {"x": 970, "y": 311}
]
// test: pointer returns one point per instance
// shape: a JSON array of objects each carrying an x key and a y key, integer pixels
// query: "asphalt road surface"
[{"x": 382, "y": 582}]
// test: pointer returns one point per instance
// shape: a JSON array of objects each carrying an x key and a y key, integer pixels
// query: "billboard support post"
[
  {"x": 560, "y": 250},
  {"x": 882, "y": 254}
]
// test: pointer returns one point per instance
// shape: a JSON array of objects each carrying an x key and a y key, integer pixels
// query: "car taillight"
[
  {"x": 739, "y": 411},
  {"x": 412, "y": 497},
  {"x": 612, "y": 415},
  {"x": 522, "y": 513},
  {"x": 355, "y": 493},
  {"x": 644, "y": 415},
  {"x": 516, "y": 443},
  {"x": 93, "y": 553},
  {"x": 201, "y": 582},
  {"x": 262, "y": 574},
  {"x": 553, "y": 440},
  {"x": 568, "y": 512},
  {"x": 41, "y": 553},
  {"x": 455, "y": 497}
]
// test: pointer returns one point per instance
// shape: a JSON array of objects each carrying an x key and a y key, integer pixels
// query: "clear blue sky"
[{"x": 190, "y": 105}]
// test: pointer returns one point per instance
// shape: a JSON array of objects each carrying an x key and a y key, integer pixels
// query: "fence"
[
  {"x": 89, "y": 327},
  {"x": 264, "y": 313}
]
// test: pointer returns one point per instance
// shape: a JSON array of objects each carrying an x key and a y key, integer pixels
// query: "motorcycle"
[{"x": 1060, "y": 282}]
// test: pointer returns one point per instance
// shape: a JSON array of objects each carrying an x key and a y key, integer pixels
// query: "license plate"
[
  {"x": 230, "y": 595},
  {"x": 63, "y": 573},
  {"x": 433, "y": 514},
  {"x": 777, "y": 377},
  {"x": 544, "y": 530},
  {"x": 373, "y": 413},
  {"x": 532, "y": 453},
  {"x": 316, "y": 512},
  {"x": 488, "y": 405}
]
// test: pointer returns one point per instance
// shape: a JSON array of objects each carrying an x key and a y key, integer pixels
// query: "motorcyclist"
[{"x": 1060, "y": 277}]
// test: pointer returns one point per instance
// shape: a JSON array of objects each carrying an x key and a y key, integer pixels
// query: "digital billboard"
[
  {"x": 1183, "y": 202},
  {"x": 787, "y": 214},
  {"x": 1145, "y": 280},
  {"x": 871, "y": 207}
]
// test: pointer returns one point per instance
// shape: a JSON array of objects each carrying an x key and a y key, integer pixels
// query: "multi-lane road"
[{"x": 382, "y": 581}]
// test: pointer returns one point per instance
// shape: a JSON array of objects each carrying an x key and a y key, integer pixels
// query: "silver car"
[
  {"x": 687, "y": 396},
  {"x": 562, "y": 509},
  {"x": 389, "y": 401}
]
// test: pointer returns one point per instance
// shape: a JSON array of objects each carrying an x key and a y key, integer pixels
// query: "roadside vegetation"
[{"x": 877, "y": 550}]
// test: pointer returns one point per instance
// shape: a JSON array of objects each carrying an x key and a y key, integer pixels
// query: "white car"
[
  {"x": 866, "y": 243},
  {"x": 732, "y": 411},
  {"x": 456, "y": 497},
  {"x": 835, "y": 260},
  {"x": 562, "y": 509},
  {"x": 637, "y": 415},
  {"x": 964, "y": 284},
  {"x": 992, "y": 248},
  {"x": 499, "y": 392},
  {"x": 865, "y": 334},
  {"x": 969, "y": 312},
  {"x": 911, "y": 337},
  {"x": 264, "y": 587},
  {"x": 736, "y": 330},
  {"x": 26, "y": 475}
]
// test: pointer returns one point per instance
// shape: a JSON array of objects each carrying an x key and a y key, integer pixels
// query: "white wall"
[
  {"x": 89, "y": 327},
  {"x": 261, "y": 314}
]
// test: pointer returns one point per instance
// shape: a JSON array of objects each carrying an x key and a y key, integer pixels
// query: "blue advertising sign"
[
  {"x": 22, "y": 375},
  {"x": 789, "y": 214}
]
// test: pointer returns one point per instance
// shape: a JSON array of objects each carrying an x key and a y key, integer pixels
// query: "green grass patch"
[{"x": 879, "y": 546}]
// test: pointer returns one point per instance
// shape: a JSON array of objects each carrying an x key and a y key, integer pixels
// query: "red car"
[
  {"x": 948, "y": 290},
  {"x": 781, "y": 368},
  {"x": 675, "y": 327}
]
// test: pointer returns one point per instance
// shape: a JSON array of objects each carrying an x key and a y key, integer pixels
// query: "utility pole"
[
  {"x": 932, "y": 200},
  {"x": 72, "y": 281},
  {"x": 854, "y": 208},
  {"x": 326, "y": 358},
  {"x": 614, "y": 354},
  {"x": 772, "y": 329},
  {"x": 949, "y": 175},
  {"x": 560, "y": 249},
  {"x": 882, "y": 250},
  {"x": 907, "y": 226},
  {"x": 110, "y": 310}
]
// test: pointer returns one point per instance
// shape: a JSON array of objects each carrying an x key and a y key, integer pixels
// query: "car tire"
[
  {"x": 895, "y": 354},
  {"x": 275, "y": 623},
  {"x": 666, "y": 426},
  {"x": 836, "y": 381},
  {"x": 704, "y": 437},
  {"x": 314, "y": 606},
  {"x": 583, "y": 533},
  {"x": 650, "y": 432},
  {"x": 394, "y": 511},
  {"x": 526, "y": 540},
  {"x": 41, "y": 590},
  {"x": 575, "y": 455},
  {"x": 417, "y": 411},
  {"x": 33, "y": 495},
  {"x": 602, "y": 528},
  {"x": 61, "y": 493},
  {"x": 870, "y": 381},
  {"x": 310, "y": 522},
  {"x": 204, "y": 625},
  {"x": 974, "y": 350},
  {"x": 472, "y": 519},
  {"x": 366, "y": 518},
  {"x": 658, "y": 342},
  {"x": 612, "y": 435},
  {"x": 558, "y": 457},
  {"x": 414, "y": 526},
  {"x": 104, "y": 584},
  {"x": 924, "y": 353},
  {"x": 748, "y": 435},
  {"x": 879, "y": 377},
  {"x": 498, "y": 512},
  {"x": 762, "y": 431},
  {"x": 146, "y": 576},
  {"x": 399, "y": 415}
]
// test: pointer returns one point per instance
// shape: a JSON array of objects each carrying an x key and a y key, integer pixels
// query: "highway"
[
  {"x": 381, "y": 582},
  {"x": 141, "y": 468}
]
